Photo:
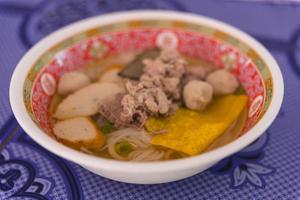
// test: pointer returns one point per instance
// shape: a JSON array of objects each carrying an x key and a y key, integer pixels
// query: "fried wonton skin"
[{"x": 192, "y": 132}]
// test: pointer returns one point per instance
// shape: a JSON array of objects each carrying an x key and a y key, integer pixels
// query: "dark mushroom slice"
[{"x": 134, "y": 69}]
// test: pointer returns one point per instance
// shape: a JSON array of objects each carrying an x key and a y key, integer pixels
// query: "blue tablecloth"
[{"x": 266, "y": 170}]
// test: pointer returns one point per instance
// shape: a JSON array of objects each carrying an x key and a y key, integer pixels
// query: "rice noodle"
[
  {"x": 140, "y": 139},
  {"x": 85, "y": 150},
  {"x": 168, "y": 154},
  {"x": 148, "y": 154}
]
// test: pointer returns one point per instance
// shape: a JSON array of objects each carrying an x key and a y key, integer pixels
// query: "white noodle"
[
  {"x": 114, "y": 154},
  {"x": 149, "y": 154},
  {"x": 86, "y": 150},
  {"x": 141, "y": 142}
]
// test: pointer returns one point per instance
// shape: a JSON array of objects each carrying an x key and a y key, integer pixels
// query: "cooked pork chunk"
[
  {"x": 111, "y": 109},
  {"x": 165, "y": 72}
]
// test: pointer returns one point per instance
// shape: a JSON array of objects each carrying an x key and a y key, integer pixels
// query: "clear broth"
[{"x": 95, "y": 69}]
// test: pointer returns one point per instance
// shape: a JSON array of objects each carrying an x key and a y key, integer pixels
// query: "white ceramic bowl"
[{"x": 151, "y": 172}]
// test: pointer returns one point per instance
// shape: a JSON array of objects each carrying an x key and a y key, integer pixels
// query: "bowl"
[{"x": 35, "y": 78}]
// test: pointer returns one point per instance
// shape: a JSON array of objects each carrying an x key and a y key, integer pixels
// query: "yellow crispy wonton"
[{"x": 192, "y": 132}]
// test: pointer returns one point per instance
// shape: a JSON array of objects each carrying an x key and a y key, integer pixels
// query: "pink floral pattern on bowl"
[{"x": 244, "y": 64}]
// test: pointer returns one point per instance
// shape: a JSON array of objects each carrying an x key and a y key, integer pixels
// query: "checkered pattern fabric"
[{"x": 23, "y": 23}]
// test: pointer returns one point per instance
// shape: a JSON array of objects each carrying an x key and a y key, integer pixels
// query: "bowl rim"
[{"x": 39, "y": 136}]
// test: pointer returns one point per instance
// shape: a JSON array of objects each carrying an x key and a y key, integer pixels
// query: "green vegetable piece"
[
  {"x": 106, "y": 128},
  {"x": 123, "y": 148},
  {"x": 240, "y": 90}
]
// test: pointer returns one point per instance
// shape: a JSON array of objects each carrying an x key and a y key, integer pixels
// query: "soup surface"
[{"x": 148, "y": 106}]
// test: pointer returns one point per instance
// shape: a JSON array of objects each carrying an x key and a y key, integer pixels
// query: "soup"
[{"x": 148, "y": 106}]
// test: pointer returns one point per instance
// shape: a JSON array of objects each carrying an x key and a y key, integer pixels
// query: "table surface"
[{"x": 267, "y": 169}]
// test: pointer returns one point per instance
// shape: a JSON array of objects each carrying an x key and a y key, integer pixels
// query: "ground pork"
[
  {"x": 152, "y": 99},
  {"x": 165, "y": 72},
  {"x": 111, "y": 109},
  {"x": 153, "y": 95},
  {"x": 158, "y": 86},
  {"x": 123, "y": 111}
]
